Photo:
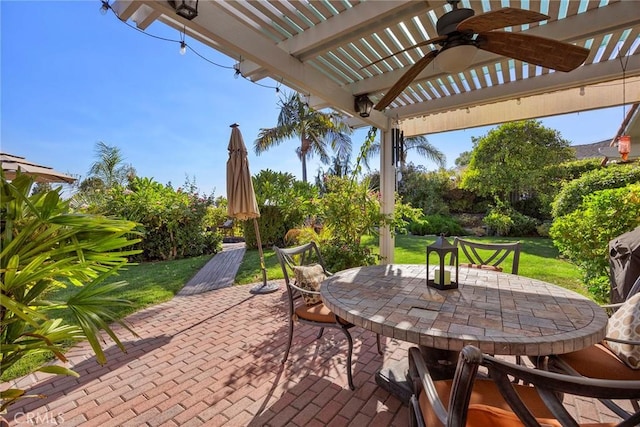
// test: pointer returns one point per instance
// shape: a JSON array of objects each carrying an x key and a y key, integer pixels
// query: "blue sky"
[{"x": 72, "y": 77}]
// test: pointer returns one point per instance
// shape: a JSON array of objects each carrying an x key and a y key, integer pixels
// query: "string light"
[
  {"x": 184, "y": 46},
  {"x": 581, "y": 90},
  {"x": 105, "y": 7}
]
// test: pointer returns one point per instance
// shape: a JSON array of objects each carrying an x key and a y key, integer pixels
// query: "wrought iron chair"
[
  {"x": 602, "y": 360},
  {"x": 469, "y": 400},
  {"x": 304, "y": 302},
  {"x": 488, "y": 256}
]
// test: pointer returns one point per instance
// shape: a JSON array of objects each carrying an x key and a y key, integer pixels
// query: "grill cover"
[{"x": 624, "y": 260}]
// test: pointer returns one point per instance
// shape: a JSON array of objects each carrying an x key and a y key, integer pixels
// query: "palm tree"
[
  {"x": 418, "y": 143},
  {"x": 110, "y": 167},
  {"x": 314, "y": 128}
]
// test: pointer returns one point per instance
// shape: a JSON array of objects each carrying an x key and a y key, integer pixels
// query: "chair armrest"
[
  {"x": 612, "y": 307},
  {"x": 629, "y": 342},
  {"x": 421, "y": 379},
  {"x": 306, "y": 291}
]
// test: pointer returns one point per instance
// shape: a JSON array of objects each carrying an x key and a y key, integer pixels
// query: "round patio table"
[{"x": 499, "y": 313}]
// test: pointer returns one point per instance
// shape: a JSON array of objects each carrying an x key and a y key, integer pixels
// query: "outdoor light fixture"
[
  {"x": 188, "y": 9},
  {"x": 442, "y": 277},
  {"x": 456, "y": 59},
  {"x": 363, "y": 105},
  {"x": 105, "y": 7},
  {"x": 624, "y": 146}
]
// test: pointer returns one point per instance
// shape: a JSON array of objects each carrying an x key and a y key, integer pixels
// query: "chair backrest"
[
  {"x": 549, "y": 385},
  {"x": 306, "y": 254},
  {"x": 489, "y": 255}
]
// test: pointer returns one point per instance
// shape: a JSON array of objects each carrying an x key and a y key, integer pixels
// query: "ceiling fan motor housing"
[{"x": 449, "y": 21}]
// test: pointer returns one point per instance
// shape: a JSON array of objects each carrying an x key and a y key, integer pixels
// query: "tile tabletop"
[{"x": 499, "y": 313}]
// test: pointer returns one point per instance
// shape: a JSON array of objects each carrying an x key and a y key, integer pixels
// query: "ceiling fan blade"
[
  {"x": 405, "y": 80},
  {"x": 424, "y": 43},
  {"x": 501, "y": 18},
  {"x": 535, "y": 50}
]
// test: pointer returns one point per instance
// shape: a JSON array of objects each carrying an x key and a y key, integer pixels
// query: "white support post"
[{"x": 387, "y": 195}]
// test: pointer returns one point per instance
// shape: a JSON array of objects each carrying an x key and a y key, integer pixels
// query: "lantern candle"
[{"x": 447, "y": 277}]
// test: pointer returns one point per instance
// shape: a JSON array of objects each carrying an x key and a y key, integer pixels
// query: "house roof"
[{"x": 588, "y": 151}]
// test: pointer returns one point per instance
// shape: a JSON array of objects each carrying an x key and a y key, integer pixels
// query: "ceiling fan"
[{"x": 461, "y": 34}]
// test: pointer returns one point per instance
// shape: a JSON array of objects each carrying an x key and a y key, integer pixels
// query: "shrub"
[
  {"x": 460, "y": 200},
  {"x": 273, "y": 228},
  {"x": 583, "y": 235},
  {"x": 174, "y": 221},
  {"x": 498, "y": 223},
  {"x": 504, "y": 220},
  {"x": 543, "y": 229},
  {"x": 613, "y": 176},
  {"x": 569, "y": 171},
  {"x": 436, "y": 225},
  {"x": 340, "y": 255}
]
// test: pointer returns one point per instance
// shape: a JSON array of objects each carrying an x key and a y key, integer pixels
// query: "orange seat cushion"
[
  {"x": 484, "y": 415},
  {"x": 315, "y": 313},
  {"x": 597, "y": 361},
  {"x": 487, "y": 407}
]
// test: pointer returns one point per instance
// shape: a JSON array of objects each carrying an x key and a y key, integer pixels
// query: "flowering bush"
[{"x": 174, "y": 221}]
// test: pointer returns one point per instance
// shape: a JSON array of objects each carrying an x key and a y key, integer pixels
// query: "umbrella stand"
[{"x": 264, "y": 287}]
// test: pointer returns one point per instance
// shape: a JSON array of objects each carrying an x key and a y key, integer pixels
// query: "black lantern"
[
  {"x": 188, "y": 9},
  {"x": 363, "y": 105},
  {"x": 442, "y": 278}
]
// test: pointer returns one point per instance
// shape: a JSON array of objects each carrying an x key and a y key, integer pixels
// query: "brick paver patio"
[{"x": 214, "y": 359}]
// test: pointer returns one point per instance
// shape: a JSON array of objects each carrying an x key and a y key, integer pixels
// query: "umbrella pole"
[
  {"x": 259, "y": 242},
  {"x": 265, "y": 287}
]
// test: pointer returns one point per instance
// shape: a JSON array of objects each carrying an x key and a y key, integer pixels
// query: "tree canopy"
[
  {"x": 316, "y": 130},
  {"x": 513, "y": 157}
]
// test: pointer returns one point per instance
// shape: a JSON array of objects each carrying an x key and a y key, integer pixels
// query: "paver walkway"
[
  {"x": 214, "y": 359},
  {"x": 218, "y": 273}
]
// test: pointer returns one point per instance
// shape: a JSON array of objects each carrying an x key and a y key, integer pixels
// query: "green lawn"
[{"x": 538, "y": 259}]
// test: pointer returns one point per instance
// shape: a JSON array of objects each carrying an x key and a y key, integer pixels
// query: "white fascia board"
[{"x": 537, "y": 106}]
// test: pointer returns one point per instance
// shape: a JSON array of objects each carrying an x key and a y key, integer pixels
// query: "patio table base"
[{"x": 395, "y": 379}]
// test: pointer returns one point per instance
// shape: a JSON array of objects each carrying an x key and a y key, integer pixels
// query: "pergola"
[{"x": 318, "y": 47}]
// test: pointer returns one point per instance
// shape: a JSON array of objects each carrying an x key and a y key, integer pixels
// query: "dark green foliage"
[
  {"x": 583, "y": 235},
  {"x": 296, "y": 200},
  {"x": 568, "y": 171},
  {"x": 425, "y": 190},
  {"x": 272, "y": 226},
  {"x": 460, "y": 200},
  {"x": 512, "y": 159},
  {"x": 436, "y": 225},
  {"x": 533, "y": 207},
  {"x": 174, "y": 221},
  {"x": 612, "y": 176},
  {"x": 504, "y": 220},
  {"x": 340, "y": 255}
]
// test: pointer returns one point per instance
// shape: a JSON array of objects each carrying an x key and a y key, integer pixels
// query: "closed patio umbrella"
[{"x": 241, "y": 199}]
